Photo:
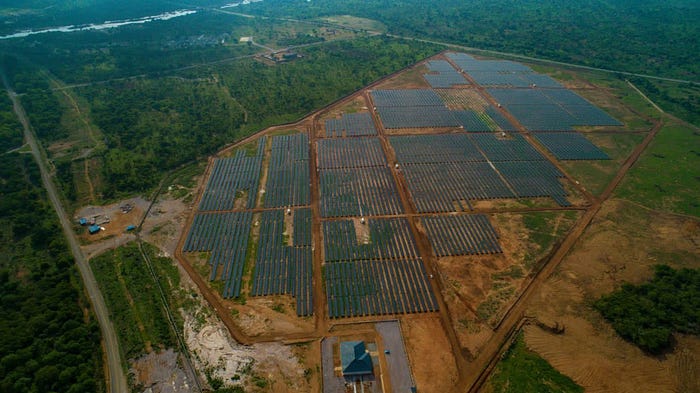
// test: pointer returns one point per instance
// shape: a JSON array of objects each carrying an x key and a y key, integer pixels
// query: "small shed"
[
  {"x": 94, "y": 229},
  {"x": 354, "y": 358},
  {"x": 82, "y": 221}
]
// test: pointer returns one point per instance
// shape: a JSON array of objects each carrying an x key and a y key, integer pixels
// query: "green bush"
[{"x": 648, "y": 314}]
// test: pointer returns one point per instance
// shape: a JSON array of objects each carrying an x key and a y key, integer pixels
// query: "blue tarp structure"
[{"x": 93, "y": 229}]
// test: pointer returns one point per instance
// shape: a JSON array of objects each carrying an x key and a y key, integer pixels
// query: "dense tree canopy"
[{"x": 648, "y": 314}]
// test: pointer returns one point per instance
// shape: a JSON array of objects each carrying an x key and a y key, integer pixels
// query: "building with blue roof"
[{"x": 355, "y": 359}]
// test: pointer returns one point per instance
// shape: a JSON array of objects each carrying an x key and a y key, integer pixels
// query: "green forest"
[
  {"x": 49, "y": 340},
  {"x": 648, "y": 314},
  {"x": 154, "y": 125}
]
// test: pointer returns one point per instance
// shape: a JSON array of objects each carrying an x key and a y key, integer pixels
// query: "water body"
[
  {"x": 244, "y": 2},
  {"x": 101, "y": 26}
]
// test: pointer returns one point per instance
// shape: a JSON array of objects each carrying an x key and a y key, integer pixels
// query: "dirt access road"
[{"x": 116, "y": 380}]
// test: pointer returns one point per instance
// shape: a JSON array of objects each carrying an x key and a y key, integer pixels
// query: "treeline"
[
  {"x": 10, "y": 127},
  {"x": 154, "y": 125},
  {"x": 133, "y": 299},
  {"x": 49, "y": 339},
  {"x": 653, "y": 37},
  {"x": 648, "y": 314}
]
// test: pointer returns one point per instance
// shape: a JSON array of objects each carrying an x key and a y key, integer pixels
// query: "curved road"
[{"x": 116, "y": 380}]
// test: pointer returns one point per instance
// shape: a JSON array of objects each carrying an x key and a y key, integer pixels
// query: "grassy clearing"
[
  {"x": 544, "y": 229},
  {"x": 522, "y": 370},
  {"x": 596, "y": 175},
  {"x": 356, "y": 23},
  {"x": 667, "y": 175},
  {"x": 133, "y": 300}
]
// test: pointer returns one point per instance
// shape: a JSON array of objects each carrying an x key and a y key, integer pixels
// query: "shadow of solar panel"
[
  {"x": 512, "y": 148},
  {"x": 412, "y": 149},
  {"x": 417, "y": 117},
  {"x": 350, "y": 153},
  {"x": 357, "y": 192},
  {"x": 408, "y": 98},
  {"x": 570, "y": 146},
  {"x": 461, "y": 235}
]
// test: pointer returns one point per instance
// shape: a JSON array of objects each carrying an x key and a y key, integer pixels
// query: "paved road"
[
  {"x": 116, "y": 381},
  {"x": 397, "y": 360}
]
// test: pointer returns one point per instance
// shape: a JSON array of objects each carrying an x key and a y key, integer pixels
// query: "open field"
[{"x": 621, "y": 245}]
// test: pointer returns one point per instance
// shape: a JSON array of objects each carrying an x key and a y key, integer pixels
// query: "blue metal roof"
[{"x": 354, "y": 358}]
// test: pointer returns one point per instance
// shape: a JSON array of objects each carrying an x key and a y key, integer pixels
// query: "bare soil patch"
[
  {"x": 621, "y": 245},
  {"x": 432, "y": 362},
  {"x": 410, "y": 79}
]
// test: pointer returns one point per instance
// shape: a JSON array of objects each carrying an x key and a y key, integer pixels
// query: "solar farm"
[{"x": 348, "y": 212}]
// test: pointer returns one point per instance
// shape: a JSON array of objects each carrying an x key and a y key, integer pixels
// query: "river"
[{"x": 100, "y": 26}]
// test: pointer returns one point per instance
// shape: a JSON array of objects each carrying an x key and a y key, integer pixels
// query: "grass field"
[
  {"x": 667, "y": 175},
  {"x": 596, "y": 175},
  {"x": 544, "y": 229},
  {"x": 523, "y": 371}
]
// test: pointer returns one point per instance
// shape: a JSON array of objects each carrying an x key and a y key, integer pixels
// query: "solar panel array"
[
  {"x": 501, "y": 72},
  {"x": 472, "y": 121},
  {"x": 389, "y": 238},
  {"x": 531, "y": 179},
  {"x": 512, "y": 148},
  {"x": 288, "y": 173},
  {"x": 358, "y": 191},
  {"x": 570, "y": 146},
  {"x": 378, "y": 275},
  {"x": 463, "y": 99},
  {"x": 445, "y": 171},
  {"x": 414, "y": 149},
  {"x": 354, "y": 124},
  {"x": 409, "y": 98},
  {"x": 281, "y": 268},
  {"x": 417, "y": 117},
  {"x": 226, "y": 236},
  {"x": 232, "y": 176},
  {"x": 461, "y": 235},
  {"x": 436, "y": 187},
  {"x": 551, "y": 109},
  {"x": 443, "y": 75},
  {"x": 501, "y": 121},
  {"x": 363, "y": 288},
  {"x": 350, "y": 153}
]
